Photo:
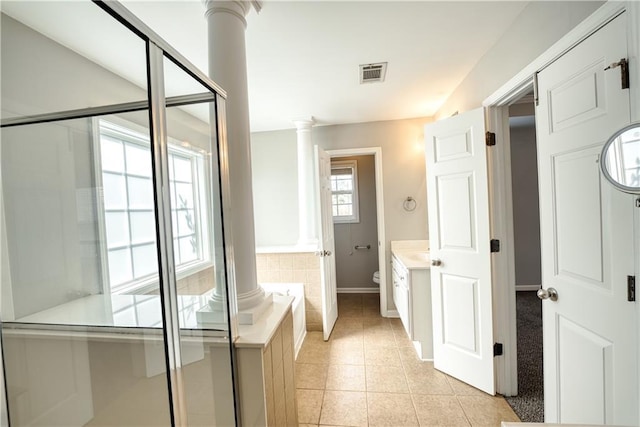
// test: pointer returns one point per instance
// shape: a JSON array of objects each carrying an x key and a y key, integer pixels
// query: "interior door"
[
  {"x": 326, "y": 248},
  {"x": 590, "y": 331},
  {"x": 458, "y": 199}
]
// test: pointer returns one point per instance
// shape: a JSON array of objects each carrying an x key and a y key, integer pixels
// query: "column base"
[{"x": 215, "y": 316}]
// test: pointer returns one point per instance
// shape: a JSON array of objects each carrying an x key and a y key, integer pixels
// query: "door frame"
[
  {"x": 376, "y": 152},
  {"x": 499, "y": 163}
]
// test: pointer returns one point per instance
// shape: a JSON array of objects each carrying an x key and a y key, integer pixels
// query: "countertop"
[
  {"x": 413, "y": 254},
  {"x": 141, "y": 315}
]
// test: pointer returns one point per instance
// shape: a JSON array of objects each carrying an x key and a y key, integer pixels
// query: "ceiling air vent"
[{"x": 371, "y": 73}]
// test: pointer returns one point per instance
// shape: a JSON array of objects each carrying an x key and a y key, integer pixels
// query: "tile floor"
[{"x": 368, "y": 374}]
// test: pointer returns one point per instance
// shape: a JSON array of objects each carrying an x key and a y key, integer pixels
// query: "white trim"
[
  {"x": 515, "y": 87},
  {"x": 136, "y": 134},
  {"x": 521, "y": 288},
  {"x": 354, "y": 218},
  {"x": 497, "y": 103},
  {"x": 633, "y": 37},
  {"x": 358, "y": 290},
  {"x": 4, "y": 410},
  {"x": 102, "y": 222},
  {"x": 298, "y": 249},
  {"x": 382, "y": 242},
  {"x": 503, "y": 262}
]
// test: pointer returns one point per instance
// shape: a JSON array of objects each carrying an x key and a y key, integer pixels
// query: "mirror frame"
[{"x": 603, "y": 160}]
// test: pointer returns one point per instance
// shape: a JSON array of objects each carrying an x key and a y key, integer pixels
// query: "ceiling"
[{"x": 303, "y": 57}]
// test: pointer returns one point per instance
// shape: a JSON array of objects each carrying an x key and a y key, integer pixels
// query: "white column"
[
  {"x": 228, "y": 67},
  {"x": 306, "y": 196}
]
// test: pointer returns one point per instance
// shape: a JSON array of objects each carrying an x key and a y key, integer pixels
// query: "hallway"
[{"x": 368, "y": 374}]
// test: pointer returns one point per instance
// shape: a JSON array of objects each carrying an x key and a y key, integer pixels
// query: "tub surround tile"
[{"x": 287, "y": 267}]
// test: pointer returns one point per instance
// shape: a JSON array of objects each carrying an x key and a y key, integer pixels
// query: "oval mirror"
[{"x": 620, "y": 160}]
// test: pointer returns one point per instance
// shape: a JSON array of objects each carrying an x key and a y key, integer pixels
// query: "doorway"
[
  {"x": 355, "y": 220},
  {"x": 377, "y": 244},
  {"x": 529, "y": 402}
]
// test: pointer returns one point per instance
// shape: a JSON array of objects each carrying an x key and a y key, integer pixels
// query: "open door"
[
  {"x": 590, "y": 323},
  {"x": 326, "y": 248},
  {"x": 458, "y": 199}
]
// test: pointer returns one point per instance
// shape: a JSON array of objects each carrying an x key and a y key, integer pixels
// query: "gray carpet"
[{"x": 529, "y": 404}]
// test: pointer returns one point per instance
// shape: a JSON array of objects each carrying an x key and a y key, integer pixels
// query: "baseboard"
[
  {"x": 527, "y": 287},
  {"x": 392, "y": 313},
  {"x": 358, "y": 290}
]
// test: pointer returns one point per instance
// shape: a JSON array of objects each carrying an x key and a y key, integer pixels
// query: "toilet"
[{"x": 376, "y": 277}]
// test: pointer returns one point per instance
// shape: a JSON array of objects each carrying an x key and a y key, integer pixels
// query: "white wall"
[
  {"x": 404, "y": 174},
  {"x": 50, "y": 249},
  {"x": 526, "y": 214},
  {"x": 540, "y": 25},
  {"x": 274, "y": 166}
]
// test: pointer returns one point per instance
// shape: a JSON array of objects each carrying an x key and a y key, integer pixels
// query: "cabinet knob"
[{"x": 436, "y": 262}]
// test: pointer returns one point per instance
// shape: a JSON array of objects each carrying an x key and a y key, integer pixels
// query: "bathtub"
[{"x": 296, "y": 290}]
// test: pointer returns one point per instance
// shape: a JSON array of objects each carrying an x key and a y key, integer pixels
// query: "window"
[
  {"x": 128, "y": 209},
  {"x": 344, "y": 191}
]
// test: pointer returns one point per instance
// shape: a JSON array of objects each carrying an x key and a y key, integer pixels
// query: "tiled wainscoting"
[
  {"x": 194, "y": 284},
  {"x": 197, "y": 283},
  {"x": 295, "y": 268}
]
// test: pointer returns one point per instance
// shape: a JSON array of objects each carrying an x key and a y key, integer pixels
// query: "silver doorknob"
[
  {"x": 436, "y": 262},
  {"x": 550, "y": 293}
]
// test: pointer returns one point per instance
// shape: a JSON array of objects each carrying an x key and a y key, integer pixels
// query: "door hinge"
[
  {"x": 490, "y": 139},
  {"x": 495, "y": 245},
  {"x": 631, "y": 288},
  {"x": 624, "y": 71},
  {"x": 497, "y": 349}
]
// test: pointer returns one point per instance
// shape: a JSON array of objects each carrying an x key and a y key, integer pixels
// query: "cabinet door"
[{"x": 401, "y": 294}]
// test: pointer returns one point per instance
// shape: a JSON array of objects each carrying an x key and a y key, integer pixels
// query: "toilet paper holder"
[{"x": 362, "y": 247}]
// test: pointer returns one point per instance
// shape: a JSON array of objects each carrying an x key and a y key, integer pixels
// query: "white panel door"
[
  {"x": 458, "y": 199},
  {"x": 327, "y": 245},
  {"x": 590, "y": 332}
]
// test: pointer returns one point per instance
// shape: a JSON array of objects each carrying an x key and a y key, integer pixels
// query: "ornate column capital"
[
  {"x": 238, "y": 8},
  {"x": 303, "y": 123}
]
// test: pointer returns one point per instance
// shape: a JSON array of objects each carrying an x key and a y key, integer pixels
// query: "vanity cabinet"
[{"x": 412, "y": 298}]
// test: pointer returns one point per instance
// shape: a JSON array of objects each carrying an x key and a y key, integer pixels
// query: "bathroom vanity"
[{"x": 412, "y": 292}]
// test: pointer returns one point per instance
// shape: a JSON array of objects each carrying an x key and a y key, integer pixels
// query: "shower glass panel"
[
  {"x": 71, "y": 43},
  {"x": 89, "y": 306},
  {"x": 198, "y": 252}
]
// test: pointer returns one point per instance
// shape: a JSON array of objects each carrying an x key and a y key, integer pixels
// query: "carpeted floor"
[{"x": 529, "y": 404}]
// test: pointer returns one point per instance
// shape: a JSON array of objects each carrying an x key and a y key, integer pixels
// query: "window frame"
[
  {"x": 354, "y": 218},
  {"x": 137, "y": 134}
]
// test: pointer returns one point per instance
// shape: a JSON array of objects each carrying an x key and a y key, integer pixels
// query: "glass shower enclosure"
[{"x": 112, "y": 176}]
